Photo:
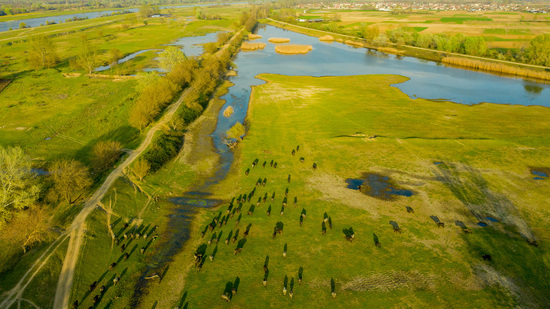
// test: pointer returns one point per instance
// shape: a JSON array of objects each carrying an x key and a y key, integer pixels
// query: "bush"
[{"x": 164, "y": 147}]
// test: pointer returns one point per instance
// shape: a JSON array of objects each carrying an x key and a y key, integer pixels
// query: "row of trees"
[{"x": 538, "y": 51}]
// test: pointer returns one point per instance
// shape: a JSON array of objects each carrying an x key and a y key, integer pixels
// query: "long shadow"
[
  {"x": 132, "y": 251},
  {"x": 505, "y": 241},
  {"x": 182, "y": 300},
  {"x": 102, "y": 276}
]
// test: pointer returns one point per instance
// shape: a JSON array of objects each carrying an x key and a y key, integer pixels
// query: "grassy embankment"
[
  {"x": 486, "y": 150},
  {"x": 52, "y": 117}
]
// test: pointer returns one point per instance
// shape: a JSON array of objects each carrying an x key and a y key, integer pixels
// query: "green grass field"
[{"x": 486, "y": 151}]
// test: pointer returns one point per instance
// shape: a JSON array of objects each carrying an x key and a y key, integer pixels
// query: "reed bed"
[
  {"x": 496, "y": 67},
  {"x": 326, "y": 38},
  {"x": 253, "y": 36},
  {"x": 278, "y": 40},
  {"x": 354, "y": 44},
  {"x": 391, "y": 50},
  {"x": 247, "y": 46},
  {"x": 293, "y": 49},
  {"x": 228, "y": 111}
]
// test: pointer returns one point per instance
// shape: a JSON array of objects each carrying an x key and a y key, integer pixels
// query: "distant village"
[{"x": 389, "y": 6}]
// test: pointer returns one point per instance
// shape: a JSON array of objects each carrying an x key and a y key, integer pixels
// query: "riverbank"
[
  {"x": 411, "y": 138},
  {"x": 540, "y": 73}
]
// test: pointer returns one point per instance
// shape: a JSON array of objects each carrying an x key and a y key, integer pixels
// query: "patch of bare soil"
[{"x": 385, "y": 282}]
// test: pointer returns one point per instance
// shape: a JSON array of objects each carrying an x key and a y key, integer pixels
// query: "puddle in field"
[
  {"x": 540, "y": 173},
  {"x": 377, "y": 186},
  {"x": 491, "y": 219},
  {"x": 173, "y": 239},
  {"x": 483, "y": 224}
]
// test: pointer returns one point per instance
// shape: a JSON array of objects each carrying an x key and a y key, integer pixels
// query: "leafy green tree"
[
  {"x": 22, "y": 25},
  {"x": 475, "y": 46},
  {"x": 87, "y": 56},
  {"x": 141, "y": 168},
  {"x": 42, "y": 52},
  {"x": 170, "y": 57},
  {"x": 146, "y": 79},
  {"x": 538, "y": 51},
  {"x": 236, "y": 131},
  {"x": 70, "y": 177},
  {"x": 105, "y": 153},
  {"x": 18, "y": 186},
  {"x": 370, "y": 33},
  {"x": 114, "y": 55},
  {"x": 146, "y": 10},
  {"x": 182, "y": 74}
]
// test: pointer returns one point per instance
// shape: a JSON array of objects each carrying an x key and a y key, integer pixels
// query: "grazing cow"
[
  {"x": 125, "y": 236},
  {"x": 142, "y": 250},
  {"x": 254, "y": 163},
  {"x": 245, "y": 233},
  {"x": 324, "y": 229},
  {"x": 75, "y": 304},
  {"x": 125, "y": 226},
  {"x": 467, "y": 231},
  {"x": 271, "y": 163},
  {"x": 238, "y": 250},
  {"x": 487, "y": 257},
  {"x": 265, "y": 162},
  {"x": 533, "y": 243},
  {"x": 269, "y": 210},
  {"x": 286, "y": 192},
  {"x": 234, "y": 291},
  {"x": 259, "y": 182},
  {"x": 397, "y": 230},
  {"x": 155, "y": 237},
  {"x": 234, "y": 239},
  {"x": 265, "y": 269},
  {"x": 378, "y": 245},
  {"x": 102, "y": 289},
  {"x": 122, "y": 248},
  {"x": 264, "y": 182},
  {"x": 126, "y": 256},
  {"x": 288, "y": 178},
  {"x": 211, "y": 257},
  {"x": 275, "y": 165},
  {"x": 274, "y": 233},
  {"x": 247, "y": 171},
  {"x": 95, "y": 300},
  {"x": 116, "y": 280},
  {"x": 199, "y": 267},
  {"x": 409, "y": 209},
  {"x": 138, "y": 235},
  {"x": 284, "y": 290},
  {"x": 112, "y": 266},
  {"x": 314, "y": 165},
  {"x": 284, "y": 201},
  {"x": 297, "y": 147},
  {"x": 325, "y": 217},
  {"x": 226, "y": 298},
  {"x": 282, "y": 210},
  {"x": 293, "y": 152},
  {"x": 440, "y": 224},
  {"x": 93, "y": 286},
  {"x": 259, "y": 201},
  {"x": 264, "y": 282},
  {"x": 302, "y": 159},
  {"x": 333, "y": 294},
  {"x": 117, "y": 241},
  {"x": 265, "y": 197}
]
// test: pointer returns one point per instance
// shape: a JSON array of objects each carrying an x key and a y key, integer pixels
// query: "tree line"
[
  {"x": 538, "y": 51},
  {"x": 200, "y": 76}
]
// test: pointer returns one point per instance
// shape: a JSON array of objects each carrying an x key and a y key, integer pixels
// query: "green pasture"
[
  {"x": 486, "y": 151},
  {"x": 460, "y": 20}
]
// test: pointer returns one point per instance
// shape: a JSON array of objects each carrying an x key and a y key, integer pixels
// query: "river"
[{"x": 428, "y": 79}]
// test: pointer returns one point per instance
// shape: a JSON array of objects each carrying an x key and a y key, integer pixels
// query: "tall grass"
[
  {"x": 292, "y": 49},
  {"x": 496, "y": 67},
  {"x": 246, "y": 46},
  {"x": 278, "y": 40}
]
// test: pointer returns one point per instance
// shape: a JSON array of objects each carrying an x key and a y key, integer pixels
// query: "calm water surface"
[{"x": 428, "y": 80}]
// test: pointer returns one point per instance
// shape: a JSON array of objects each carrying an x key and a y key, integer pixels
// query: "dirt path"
[
  {"x": 64, "y": 285},
  {"x": 419, "y": 48}
]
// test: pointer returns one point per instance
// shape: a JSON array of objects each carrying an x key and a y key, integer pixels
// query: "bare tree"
[{"x": 70, "y": 177}]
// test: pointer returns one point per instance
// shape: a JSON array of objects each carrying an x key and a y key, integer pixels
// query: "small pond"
[{"x": 377, "y": 186}]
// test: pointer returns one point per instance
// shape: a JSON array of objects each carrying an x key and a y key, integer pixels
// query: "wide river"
[{"x": 429, "y": 80}]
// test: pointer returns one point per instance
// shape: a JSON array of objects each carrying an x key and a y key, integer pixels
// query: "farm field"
[
  {"x": 462, "y": 163},
  {"x": 512, "y": 30}
]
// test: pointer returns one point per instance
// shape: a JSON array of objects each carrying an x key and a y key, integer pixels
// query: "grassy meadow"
[
  {"x": 53, "y": 115},
  {"x": 486, "y": 152}
]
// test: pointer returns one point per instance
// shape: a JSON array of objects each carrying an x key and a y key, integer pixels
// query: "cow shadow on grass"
[{"x": 517, "y": 266}]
